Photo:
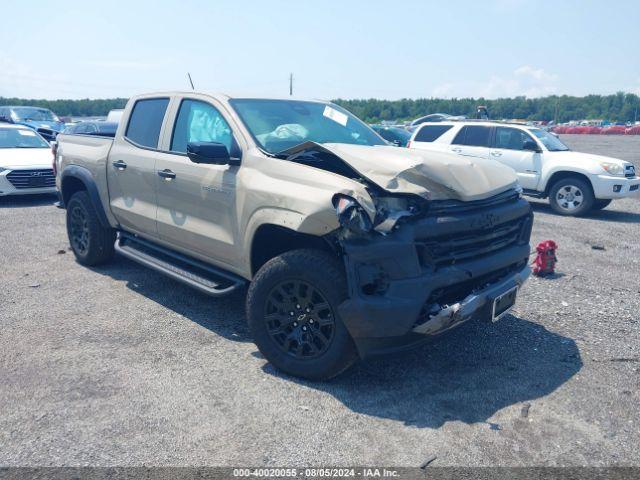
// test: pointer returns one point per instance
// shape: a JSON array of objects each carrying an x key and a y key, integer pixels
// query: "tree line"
[
  {"x": 619, "y": 107},
  {"x": 71, "y": 108}
]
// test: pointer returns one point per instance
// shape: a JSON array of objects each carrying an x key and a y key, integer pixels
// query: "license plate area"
[
  {"x": 37, "y": 182},
  {"x": 503, "y": 303}
]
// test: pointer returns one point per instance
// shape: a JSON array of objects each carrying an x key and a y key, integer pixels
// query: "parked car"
[
  {"x": 351, "y": 246},
  {"x": 103, "y": 129},
  {"x": 114, "y": 115},
  {"x": 575, "y": 183},
  {"x": 394, "y": 135},
  {"x": 25, "y": 162},
  {"x": 42, "y": 120}
]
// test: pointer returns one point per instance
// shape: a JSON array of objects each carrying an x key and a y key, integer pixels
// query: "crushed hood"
[{"x": 433, "y": 175}]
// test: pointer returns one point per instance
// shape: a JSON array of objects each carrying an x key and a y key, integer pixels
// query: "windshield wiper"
[
  {"x": 301, "y": 147},
  {"x": 274, "y": 155}
]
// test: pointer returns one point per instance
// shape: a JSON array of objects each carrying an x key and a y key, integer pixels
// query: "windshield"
[
  {"x": 21, "y": 138},
  {"x": 550, "y": 141},
  {"x": 394, "y": 134},
  {"x": 40, "y": 114},
  {"x": 277, "y": 125}
]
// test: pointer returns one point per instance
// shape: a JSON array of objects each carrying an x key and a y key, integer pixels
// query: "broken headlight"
[
  {"x": 351, "y": 215},
  {"x": 391, "y": 209}
]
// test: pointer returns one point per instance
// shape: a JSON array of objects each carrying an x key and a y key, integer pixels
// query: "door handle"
[
  {"x": 167, "y": 174},
  {"x": 120, "y": 165},
  {"x": 456, "y": 149},
  {"x": 496, "y": 153}
]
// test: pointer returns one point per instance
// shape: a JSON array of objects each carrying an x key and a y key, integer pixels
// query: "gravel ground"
[{"x": 121, "y": 366}]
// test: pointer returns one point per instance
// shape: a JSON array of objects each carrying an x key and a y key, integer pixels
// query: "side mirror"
[
  {"x": 213, "y": 153},
  {"x": 531, "y": 145}
]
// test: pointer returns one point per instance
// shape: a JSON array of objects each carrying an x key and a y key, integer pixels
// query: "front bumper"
[
  {"x": 477, "y": 304},
  {"x": 606, "y": 187},
  {"x": 396, "y": 299}
]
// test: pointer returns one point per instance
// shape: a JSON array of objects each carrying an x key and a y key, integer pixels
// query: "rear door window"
[
  {"x": 473, "y": 136},
  {"x": 429, "y": 133},
  {"x": 146, "y": 120}
]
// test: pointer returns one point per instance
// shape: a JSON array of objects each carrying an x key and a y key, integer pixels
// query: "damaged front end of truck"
[{"x": 439, "y": 241}]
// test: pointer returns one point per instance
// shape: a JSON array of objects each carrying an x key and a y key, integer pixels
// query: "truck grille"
[
  {"x": 443, "y": 251},
  {"x": 449, "y": 207},
  {"x": 22, "y": 179},
  {"x": 479, "y": 229}
]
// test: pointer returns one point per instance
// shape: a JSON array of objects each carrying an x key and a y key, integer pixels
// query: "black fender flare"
[{"x": 84, "y": 175}]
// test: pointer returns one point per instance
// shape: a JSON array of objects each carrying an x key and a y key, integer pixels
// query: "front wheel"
[
  {"x": 292, "y": 313},
  {"x": 571, "y": 196}
]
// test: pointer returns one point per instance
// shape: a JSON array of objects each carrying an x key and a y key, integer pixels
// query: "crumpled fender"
[
  {"x": 282, "y": 196},
  {"x": 317, "y": 222}
]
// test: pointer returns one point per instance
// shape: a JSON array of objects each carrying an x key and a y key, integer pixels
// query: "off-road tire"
[
  {"x": 573, "y": 183},
  {"x": 600, "y": 204},
  {"x": 95, "y": 245},
  {"x": 325, "y": 274}
]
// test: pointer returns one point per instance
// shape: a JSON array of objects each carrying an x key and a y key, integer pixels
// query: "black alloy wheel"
[{"x": 299, "y": 319}]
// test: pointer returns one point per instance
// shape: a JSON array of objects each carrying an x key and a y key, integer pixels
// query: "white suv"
[{"x": 574, "y": 182}]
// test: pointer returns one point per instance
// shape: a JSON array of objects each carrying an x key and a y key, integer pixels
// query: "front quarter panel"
[{"x": 553, "y": 162}]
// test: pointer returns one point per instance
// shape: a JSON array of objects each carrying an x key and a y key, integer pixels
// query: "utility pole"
[
  {"x": 555, "y": 119},
  {"x": 290, "y": 84}
]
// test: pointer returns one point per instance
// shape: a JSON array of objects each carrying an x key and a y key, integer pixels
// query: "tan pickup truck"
[{"x": 350, "y": 246}]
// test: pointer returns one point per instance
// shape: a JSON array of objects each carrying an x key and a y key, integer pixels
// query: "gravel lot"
[{"x": 121, "y": 366}]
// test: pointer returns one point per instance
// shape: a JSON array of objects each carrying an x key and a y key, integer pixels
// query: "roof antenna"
[{"x": 190, "y": 81}]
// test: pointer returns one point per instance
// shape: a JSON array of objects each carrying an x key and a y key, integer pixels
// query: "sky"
[{"x": 335, "y": 49}]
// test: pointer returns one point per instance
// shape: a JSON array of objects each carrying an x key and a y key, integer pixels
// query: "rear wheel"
[
  {"x": 600, "y": 204},
  {"x": 571, "y": 196},
  {"x": 292, "y": 312},
  {"x": 91, "y": 242}
]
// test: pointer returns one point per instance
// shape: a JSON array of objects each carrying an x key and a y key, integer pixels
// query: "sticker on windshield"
[
  {"x": 335, "y": 115},
  {"x": 27, "y": 133}
]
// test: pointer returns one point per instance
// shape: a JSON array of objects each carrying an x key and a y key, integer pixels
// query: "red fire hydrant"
[{"x": 545, "y": 261}]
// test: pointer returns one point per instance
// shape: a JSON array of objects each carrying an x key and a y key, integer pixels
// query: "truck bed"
[{"x": 87, "y": 151}]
